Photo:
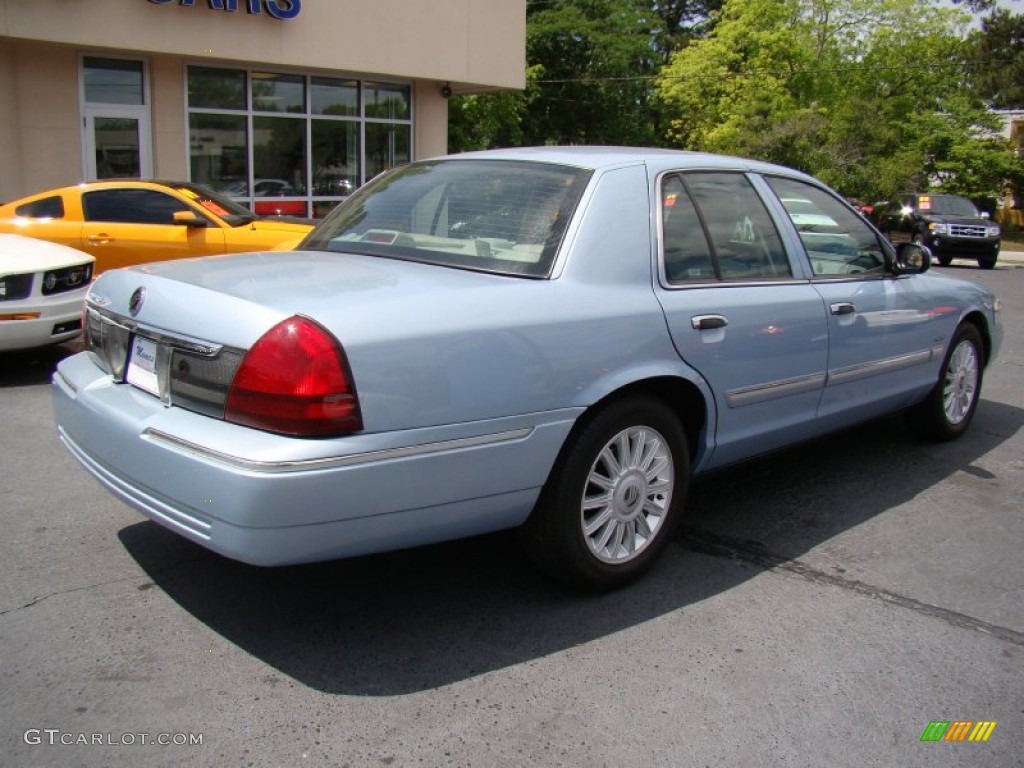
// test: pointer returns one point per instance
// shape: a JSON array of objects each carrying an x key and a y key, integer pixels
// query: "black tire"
[
  {"x": 986, "y": 263},
  {"x": 943, "y": 259},
  {"x": 644, "y": 501},
  {"x": 947, "y": 411}
]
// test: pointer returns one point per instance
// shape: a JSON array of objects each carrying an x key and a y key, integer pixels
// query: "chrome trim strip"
[
  {"x": 186, "y": 343},
  {"x": 334, "y": 462},
  {"x": 759, "y": 393},
  {"x": 767, "y": 282},
  {"x": 865, "y": 370}
]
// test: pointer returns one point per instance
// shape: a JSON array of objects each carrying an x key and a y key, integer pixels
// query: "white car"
[{"x": 42, "y": 289}]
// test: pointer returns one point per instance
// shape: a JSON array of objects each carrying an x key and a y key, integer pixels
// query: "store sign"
[{"x": 279, "y": 9}]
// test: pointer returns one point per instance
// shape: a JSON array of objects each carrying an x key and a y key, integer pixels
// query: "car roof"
[{"x": 607, "y": 157}]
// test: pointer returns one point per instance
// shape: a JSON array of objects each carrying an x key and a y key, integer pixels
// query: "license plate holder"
[{"x": 142, "y": 371}]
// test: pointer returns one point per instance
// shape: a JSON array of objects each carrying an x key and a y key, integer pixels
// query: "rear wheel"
[
  {"x": 613, "y": 497},
  {"x": 949, "y": 408}
]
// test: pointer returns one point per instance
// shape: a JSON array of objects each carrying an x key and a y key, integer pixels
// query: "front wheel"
[
  {"x": 947, "y": 411},
  {"x": 987, "y": 263},
  {"x": 613, "y": 498}
]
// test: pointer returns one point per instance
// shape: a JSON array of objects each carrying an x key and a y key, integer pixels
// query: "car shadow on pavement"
[
  {"x": 410, "y": 621},
  {"x": 27, "y": 367}
]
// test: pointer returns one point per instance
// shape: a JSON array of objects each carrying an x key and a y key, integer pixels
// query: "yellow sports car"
[{"x": 130, "y": 222}]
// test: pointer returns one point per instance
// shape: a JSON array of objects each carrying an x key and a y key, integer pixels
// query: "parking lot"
[{"x": 820, "y": 607}]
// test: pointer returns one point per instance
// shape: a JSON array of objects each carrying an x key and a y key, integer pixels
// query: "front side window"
[
  {"x": 487, "y": 215},
  {"x": 836, "y": 238},
  {"x": 131, "y": 206}
]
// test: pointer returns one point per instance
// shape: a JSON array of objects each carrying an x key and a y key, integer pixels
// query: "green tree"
[
  {"x": 865, "y": 94},
  {"x": 593, "y": 61},
  {"x": 996, "y": 60},
  {"x": 590, "y": 77}
]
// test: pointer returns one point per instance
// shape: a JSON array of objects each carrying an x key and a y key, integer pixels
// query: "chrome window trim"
[
  {"x": 768, "y": 282},
  {"x": 335, "y": 462}
]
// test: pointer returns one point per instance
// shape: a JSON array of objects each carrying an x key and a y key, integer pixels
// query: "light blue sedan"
[{"x": 550, "y": 339}]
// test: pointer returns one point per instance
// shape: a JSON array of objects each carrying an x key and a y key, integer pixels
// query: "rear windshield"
[{"x": 498, "y": 216}]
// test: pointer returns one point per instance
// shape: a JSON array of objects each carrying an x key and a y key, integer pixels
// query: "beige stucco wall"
[
  {"x": 470, "y": 43},
  {"x": 42, "y": 148},
  {"x": 10, "y": 162}
]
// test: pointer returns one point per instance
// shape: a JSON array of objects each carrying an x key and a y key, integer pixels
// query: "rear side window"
[
  {"x": 715, "y": 226},
  {"x": 837, "y": 239},
  {"x": 131, "y": 206},
  {"x": 44, "y": 208}
]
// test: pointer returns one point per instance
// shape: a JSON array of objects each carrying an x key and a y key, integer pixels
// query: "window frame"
[
  {"x": 886, "y": 252},
  {"x": 718, "y": 280},
  {"x": 313, "y": 202}
]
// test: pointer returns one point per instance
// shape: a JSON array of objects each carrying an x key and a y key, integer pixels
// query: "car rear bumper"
[
  {"x": 271, "y": 500},
  {"x": 46, "y": 320}
]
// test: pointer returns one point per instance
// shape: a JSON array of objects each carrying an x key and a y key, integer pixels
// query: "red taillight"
[{"x": 294, "y": 380}]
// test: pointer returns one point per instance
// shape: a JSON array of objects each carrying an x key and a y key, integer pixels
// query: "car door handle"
[
  {"x": 843, "y": 308},
  {"x": 708, "y": 322},
  {"x": 98, "y": 239}
]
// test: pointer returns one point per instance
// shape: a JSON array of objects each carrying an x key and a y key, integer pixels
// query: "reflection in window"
[
  {"x": 113, "y": 81},
  {"x": 218, "y": 151},
  {"x": 216, "y": 88},
  {"x": 387, "y": 145},
  {"x": 837, "y": 239},
  {"x": 278, "y": 93},
  {"x": 335, "y": 157},
  {"x": 279, "y": 153},
  {"x": 332, "y": 135},
  {"x": 745, "y": 242},
  {"x": 334, "y": 97},
  {"x": 386, "y": 101},
  {"x": 117, "y": 148},
  {"x": 687, "y": 254}
]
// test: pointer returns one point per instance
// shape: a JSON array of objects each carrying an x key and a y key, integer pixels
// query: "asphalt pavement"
[{"x": 821, "y": 607}]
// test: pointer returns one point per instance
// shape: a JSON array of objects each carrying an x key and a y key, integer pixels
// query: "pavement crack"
[
  {"x": 40, "y": 598},
  {"x": 754, "y": 553},
  {"x": 85, "y": 587}
]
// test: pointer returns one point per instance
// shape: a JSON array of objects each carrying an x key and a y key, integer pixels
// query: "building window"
[
  {"x": 293, "y": 144},
  {"x": 113, "y": 81}
]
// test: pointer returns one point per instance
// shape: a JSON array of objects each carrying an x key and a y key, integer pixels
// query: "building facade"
[{"x": 286, "y": 105}]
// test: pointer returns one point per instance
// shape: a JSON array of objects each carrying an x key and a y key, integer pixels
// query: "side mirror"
[
  {"x": 188, "y": 219},
  {"x": 912, "y": 259}
]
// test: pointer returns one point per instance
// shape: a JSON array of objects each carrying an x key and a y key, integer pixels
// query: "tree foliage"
[
  {"x": 865, "y": 94},
  {"x": 996, "y": 60},
  {"x": 872, "y": 96}
]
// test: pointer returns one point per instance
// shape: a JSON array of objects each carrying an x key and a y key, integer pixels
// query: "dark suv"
[{"x": 950, "y": 225}]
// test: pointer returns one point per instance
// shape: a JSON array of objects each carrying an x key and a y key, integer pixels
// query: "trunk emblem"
[{"x": 135, "y": 302}]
